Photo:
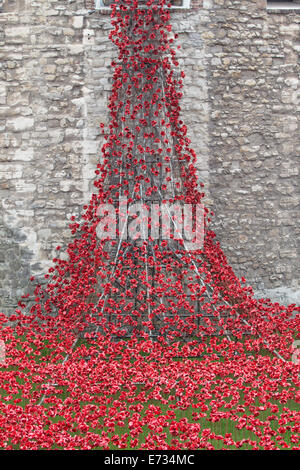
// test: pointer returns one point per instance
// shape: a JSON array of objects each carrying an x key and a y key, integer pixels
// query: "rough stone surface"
[{"x": 241, "y": 106}]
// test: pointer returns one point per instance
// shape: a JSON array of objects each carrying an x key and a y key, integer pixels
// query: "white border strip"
[{"x": 283, "y": 6}]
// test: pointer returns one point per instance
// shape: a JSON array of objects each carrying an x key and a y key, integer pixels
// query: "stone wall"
[
  {"x": 241, "y": 106},
  {"x": 254, "y": 140}
]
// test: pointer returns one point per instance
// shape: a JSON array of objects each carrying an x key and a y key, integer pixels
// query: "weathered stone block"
[{"x": 20, "y": 124}]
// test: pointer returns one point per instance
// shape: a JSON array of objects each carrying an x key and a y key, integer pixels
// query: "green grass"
[{"x": 140, "y": 395}]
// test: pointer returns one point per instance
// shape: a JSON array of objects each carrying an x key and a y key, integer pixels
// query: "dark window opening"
[{"x": 100, "y": 4}]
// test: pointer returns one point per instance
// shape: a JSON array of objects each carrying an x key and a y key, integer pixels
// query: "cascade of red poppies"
[
  {"x": 151, "y": 286},
  {"x": 102, "y": 339}
]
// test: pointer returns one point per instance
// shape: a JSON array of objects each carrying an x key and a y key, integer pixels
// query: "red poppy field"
[
  {"x": 141, "y": 343},
  {"x": 139, "y": 395}
]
